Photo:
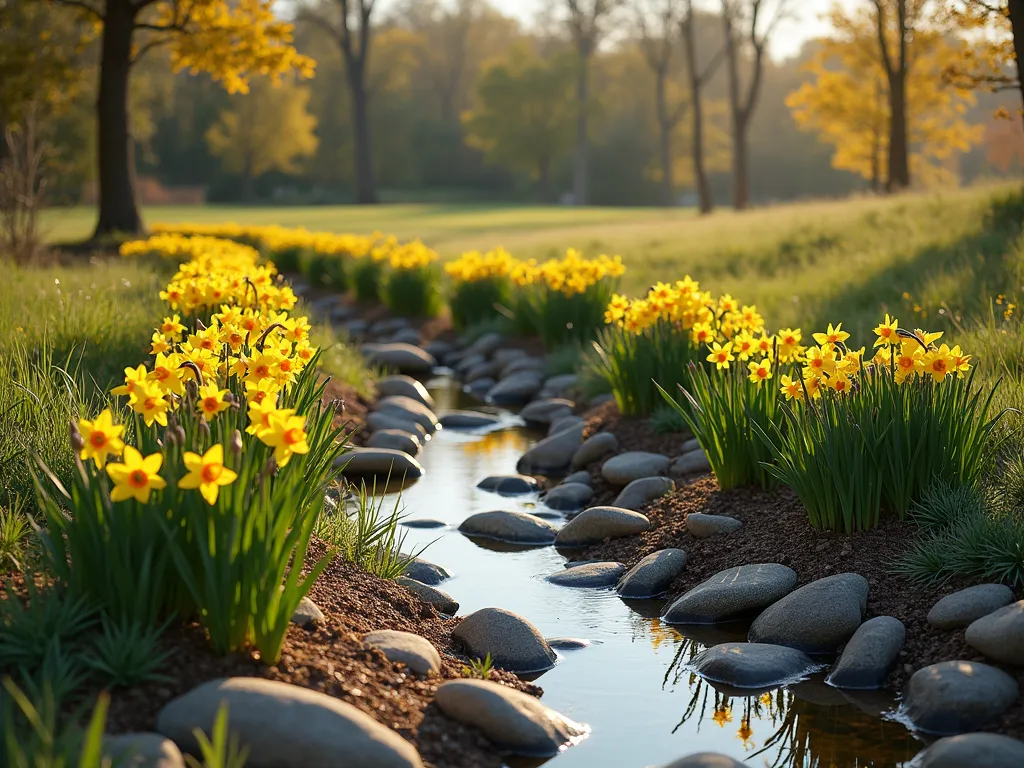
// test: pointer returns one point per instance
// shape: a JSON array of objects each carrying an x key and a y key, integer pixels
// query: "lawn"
[{"x": 801, "y": 263}]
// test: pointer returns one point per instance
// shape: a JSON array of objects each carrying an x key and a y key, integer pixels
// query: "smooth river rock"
[
  {"x": 378, "y": 462},
  {"x": 404, "y": 358},
  {"x": 706, "y": 760},
  {"x": 642, "y": 491},
  {"x": 286, "y": 726},
  {"x": 961, "y": 608},
  {"x": 444, "y": 602},
  {"x": 589, "y": 576},
  {"x": 307, "y": 613},
  {"x": 508, "y": 485},
  {"x": 511, "y": 719},
  {"x": 513, "y": 527},
  {"x": 142, "y": 750},
  {"x": 425, "y": 572},
  {"x": 565, "y": 423},
  {"x": 561, "y": 383},
  {"x": 652, "y": 575},
  {"x": 581, "y": 476},
  {"x": 532, "y": 365},
  {"x": 817, "y": 618},
  {"x": 732, "y": 594},
  {"x": 513, "y": 642},
  {"x": 623, "y": 469},
  {"x": 517, "y": 389},
  {"x": 417, "y": 653},
  {"x": 568, "y": 497},
  {"x": 977, "y": 750},
  {"x": 406, "y": 386},
  {"x": 957, "y": 696},
  {"x": 752, "y": 665},
  {"x": 409, "y": 409},
  {"x": 543, "y": 412},
  {"x": 690, "y": 463},
  {"x": 599, "y": 523},
  {"x": 1000, "y": 634},
  {"x": 870, "y": 654},
  {"x": 378, "y": 421},
  {"x": 551, "y": 456},
  {"x": 395, "y": 440},
  {"x": 468, "y": 420},
  {"x": 703, "y": 526},
  {"x": 594, "y": 448}
]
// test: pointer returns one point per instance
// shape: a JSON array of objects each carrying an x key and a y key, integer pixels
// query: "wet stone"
[
  {"x": 564, "y": 423},
  {"x": 442, "y": 601},
  {"x": 577, "y": 477},
  {"x": 512, "y": 642},
  {"x": 732, "y": 594},
  {"x": 1000, "y": 634},
  {"x": 752, "y": 665},
  {"x": 395, "y": 440},
  {"x": 705, "y": 760},
  {"x": 404, "y": 358},
  {"x": 954, "y": 697},
  {"x": 652, "y": 575},
  {"x": 516, "y": 389},
  {"x": 380, "y": 421},
  {"x": 643, "y": 491},
  {"x": 977, "y": 750},
  {"x": 417, "y": 653},
  {"x": 568, "y": 497},
  {"x": 513, "y": 527},
  {"x": 551, "y": 456},
  {"x": 594, "y": 448},
  {"x": 426, "y": 572},
  {"x": 424, "y": 522},
  {"x": 961, "y": 608},
  {"x": 468, "y": 420},
  {"x": 870, "y": 654},
  {"x": 590, "y": 576},
  {"x": 545, "y": 411},
  {"x": 508, "y": 485},
  {"x": 599, "y": 523},
  {"x": 408, "y": 409},
  {"x": 623, "y": 469},
  {"x": 406, "y": 386},
  {"x": 568, "y": 643},
  {"x": 378, "y": 462}
]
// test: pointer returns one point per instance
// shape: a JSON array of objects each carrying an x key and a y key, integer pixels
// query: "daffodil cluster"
[
  {"x": 275, "y": 239},
  {"x": 411, "y": 255},
  {"x": 475, "y": 266},
  {"x": 571, "y": 275}
]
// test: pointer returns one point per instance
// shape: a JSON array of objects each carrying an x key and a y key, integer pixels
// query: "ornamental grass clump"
[
  {"x": 481, "y": 286},
  {"x": 865, "y": 439},
  {"x": 564, "y": 300},
  {"x": 411, "y": 285}
]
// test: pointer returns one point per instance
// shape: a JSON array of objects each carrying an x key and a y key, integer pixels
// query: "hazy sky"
[{"x": 787, "y": 40}]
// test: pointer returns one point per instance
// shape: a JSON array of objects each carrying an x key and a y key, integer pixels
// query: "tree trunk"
[
  {"x": 119, "y": 211},
  {"x": 664, "y": 139},
  {"x": 1016, "y": 13},
  {"x": 899, "y": 163},
  {"x": 740, "y": 192},
  {"x": 366, "y": 185},
  {"x": 700, "y": 177},
  {"x": 582, "y": 96}
]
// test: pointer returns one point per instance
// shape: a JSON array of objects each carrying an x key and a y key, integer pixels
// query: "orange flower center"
[
  {"x": 840, "y": 386},
  {"x": 211, "y": 403},
  {"x": 149, "y": 404},
  {"x": 906, "y": 362},
  {"x": 161, "y": 374},
  {"x": 207, "y": 344},
  {"x": 138, "y": 478},
  {"x": 790, "y": 340},
  {"x": 939, "y": 366},
  {"x": 886, "y": 333},
  {"x": 721, "y": 357},
  {"x": 762, "y": 373},
  {"x": 293, "y": 436},
  {"x": 262, "y": 371},
  {"x": 167, "y": 328},
  {"x": 211, "y": 472},
  {"x": 235, "y": 339},
  {"x": 817, "y": 362},
  {"x": 285, "y": 365},
  {"x": 98, "y": 439},
  {"x": 258, "y": 397}
]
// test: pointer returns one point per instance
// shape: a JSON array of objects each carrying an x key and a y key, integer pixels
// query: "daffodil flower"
[
  {"x": 136, "y": 477},
  {"x": 207, "y": 473}
]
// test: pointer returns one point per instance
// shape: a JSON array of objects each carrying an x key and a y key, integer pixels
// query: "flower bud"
[
  {"x": 75, "y": 437},
  {"x": 338, "y": 405},
  {"x": 235, "y": 446},
  {"x": 204, "y": 427}
]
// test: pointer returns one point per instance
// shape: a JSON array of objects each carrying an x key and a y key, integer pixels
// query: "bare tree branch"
[{"x": 84, "y": 6}]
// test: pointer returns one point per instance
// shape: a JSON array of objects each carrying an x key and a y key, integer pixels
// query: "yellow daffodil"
[
  {"x": 702, "y": 333},
  {"x": 839, "y": 382},
  {"x": 212, "y": 400},
  {"x": 886, "y": 332},
  {"x": 286, "y": 434},
  {"x": 812, "y": 384},
  {"x": 791, "y": 388},
  {"x": 721, "y": 355},
  {"x": 207, "y": 473},
  {"x": 938, "y": 363},
  {"x": 760, "y": 371},
  {"x": 789, "y": 343},
  {"x": 136, "y": 477},
  {"x": 831, "y": 337},
  {"x": 260, "y": 391},
  {"x": 168, "y": 374},
  {"x": 744, "y": 345},
  {"x": 159, "y": 344},
  {"x": 961, "y": 363},
  {"x": 101, "y": 437},
  {"x": 132, "y": 376},
  {"x": 149, "y": 402},
  {"x": 171, "y": 328},
  {"x": 260, "y": 412},
  {"x": 821, "y": 360},
  {"x": 909, "y": 361}
]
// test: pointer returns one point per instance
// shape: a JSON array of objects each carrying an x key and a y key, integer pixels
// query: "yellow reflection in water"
[{"x": 494, "y": 442}]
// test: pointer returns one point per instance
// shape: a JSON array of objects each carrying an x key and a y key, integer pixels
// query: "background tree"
[
  {"x": 847, "y": 103},
  {"x": 227, "y": 39},
  {"x": 746, "y": 24},
  {"x": 585, "y": 25},
  {"x": 267, "y": 129},
  {"x": 524, "y": 115}
]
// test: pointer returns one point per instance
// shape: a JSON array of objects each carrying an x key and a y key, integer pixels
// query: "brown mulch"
[
  {"x": 332, "y": 659},
  {"x": 776, "y": 530}
]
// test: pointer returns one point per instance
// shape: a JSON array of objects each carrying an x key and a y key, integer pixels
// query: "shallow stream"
[{"x": 631, "y": 685}]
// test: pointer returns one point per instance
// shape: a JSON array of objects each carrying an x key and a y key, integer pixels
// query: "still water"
[{"x": 631, "y": 685}]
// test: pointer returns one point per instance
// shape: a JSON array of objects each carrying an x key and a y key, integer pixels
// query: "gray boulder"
[
  {"x": 404, "y": 358},
  {"x": 961, "y": 608},
  {"x": 702, "y": 526},
  {"x": 551, "y": 456},
  {"x": 395, "y": 440},
  {"x": 480, "y": 388},
  {"x": 817, "y": 618},
  {"x": 513, "y": 642},
  {"x": 286, "y": 726},
  {"x": 407, "y": 336},
  {"x": 505, "y": 356},
  {"x": 591, "y": 575},
  {"x": 417, "y": 653},
  {"x": 642, "y": 491},
  {"x": 652, "y": 575},
  {"x": 623, "y": 469},
  {"x": 752, "y": 665},
  {"x": 508, "y": 485},
  {"x": 425, "y": 572},
  {"x": 569, "y": 497},
  {"x": 594, "y": 448},
  {"x": 307, "y": 613},
  {"x": 691, "y": 463},
  {"x": 870, "y": 655},
  {"x": 406, "y": 386},
  {"x": 468, "y": 362},
  {"x": 599, "y": 523},
  {"x": 423, "y": 522},
  {"x": 582, "y": 476},
  {"x": 389, "y": 326},
  {"x": 705, "y": 760},
  {"x": 565, "y": 423},
  {"x": 468, "y": 420},
  {"x": 511, "y": 719},
  {"x": 1000, "y": 635},
  {"x": 734, "y": 593},
  {"x": 693, "y": 444},
  {"x": 531, "y": 365},
  {"x": 516, "y": 389},
  {"x": 513, "y": 527},
  {"x": 977, "y": 750},
  {"x": 957, "y": 696},
  {"x": 568, "y": 643},
  {"x": 485, "y": 370},
  {"x": 561, "y": 383},
  {"x": 376, "y": 422},
  {"x": 545, "y": 411},
  {"x": 378, "y": 462},
  {"x": 142, "y": 750},
  {"x": 442, "y": 601},
  {"x": 486, "y": 344},
  {"x": 440, "y": 350},
  {"x": 408, "y": 409}
]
